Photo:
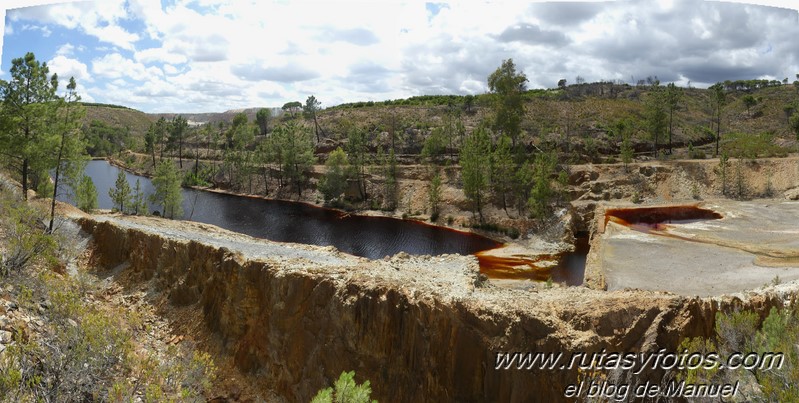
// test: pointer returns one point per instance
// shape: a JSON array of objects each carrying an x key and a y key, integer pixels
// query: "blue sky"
[{"x": 216, "y": 55}]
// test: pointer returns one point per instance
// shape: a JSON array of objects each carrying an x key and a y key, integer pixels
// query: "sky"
[{"x": 187, "y": 56}]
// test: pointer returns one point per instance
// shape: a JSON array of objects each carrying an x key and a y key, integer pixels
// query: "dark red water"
[
  {"x": 285, "y": 221},
  {"x": 647, "y": 219}
]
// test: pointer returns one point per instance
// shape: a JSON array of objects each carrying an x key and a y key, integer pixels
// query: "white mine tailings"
[{"x": 754, "y": 244}]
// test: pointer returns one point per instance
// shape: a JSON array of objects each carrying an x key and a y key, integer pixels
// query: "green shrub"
[
  {"x": 742, "y": 332},
  {"x": 26, "y": 240},
  {"x": 345, "y": 390},
  {"x": 86, "y": 195}
]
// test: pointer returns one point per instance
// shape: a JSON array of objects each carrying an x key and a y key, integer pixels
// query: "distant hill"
[
  {"x": 212, "y": 117},
  {"x": 576, "y": 119},
  {"x": 118, "y": 116}
]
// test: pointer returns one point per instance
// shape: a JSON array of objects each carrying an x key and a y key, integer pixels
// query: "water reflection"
[{"x": 283, "y": 221}]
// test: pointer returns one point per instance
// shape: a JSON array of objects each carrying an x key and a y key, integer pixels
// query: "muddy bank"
[{"x": 293, "y": 317}]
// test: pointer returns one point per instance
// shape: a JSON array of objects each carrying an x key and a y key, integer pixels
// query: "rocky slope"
[{"x": 293, "y": 317}]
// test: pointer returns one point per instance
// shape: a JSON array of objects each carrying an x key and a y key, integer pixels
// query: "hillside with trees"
[{"x": 509, "y": 149}]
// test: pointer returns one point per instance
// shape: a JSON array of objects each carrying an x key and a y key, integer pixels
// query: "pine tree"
[
  {"x": 474, "y": 160},
  {"x": 673, "y": 96},
  {"x": 86, "y": 195},
  {"x": 120, "y": 194},
  {"x": 138, "y": 204},
  {"x": 656, "y": 116},
  {"x": 503, "y": 170},
  {"x": 27, "y": 112},
  {"x": 434, "y": 196},
  {"x": 70, "y": 157},
  {"x": 717, "y": 99},
  {"x": 167, "y": 189},
  {"x": 334, "y": 183},
  {"x": 542, "y": 193}
]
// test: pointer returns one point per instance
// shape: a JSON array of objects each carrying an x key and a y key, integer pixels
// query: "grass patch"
[{"x": 760, "y": 145}]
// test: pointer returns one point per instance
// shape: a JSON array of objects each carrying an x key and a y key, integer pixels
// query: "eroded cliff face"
[{"x": 419, "y": 328}]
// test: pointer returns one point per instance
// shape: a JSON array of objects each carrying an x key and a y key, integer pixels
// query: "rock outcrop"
[{"x": 419, "y": 328}]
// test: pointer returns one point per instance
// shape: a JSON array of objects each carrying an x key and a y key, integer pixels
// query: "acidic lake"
[{"x": 286, "y": 221}]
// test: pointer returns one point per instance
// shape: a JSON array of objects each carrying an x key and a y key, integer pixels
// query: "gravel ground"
[{"x": 249, "y": 247}]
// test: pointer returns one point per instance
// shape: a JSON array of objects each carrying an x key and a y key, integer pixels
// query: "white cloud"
[
  {"x": 97, "y": 18},
  {"x": 170, "y": 69},
  {"x": 193, "y": 55},
  {"x": 66, "y": 67},
  {"x": 115, "y": 66},
  {"x": 66, "y": 49},
  {"x": 41, "y": 28}
]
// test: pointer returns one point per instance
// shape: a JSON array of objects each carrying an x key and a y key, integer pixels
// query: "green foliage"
[
  {"x": 120, "y": 194},
  {"x": 777, "y": 380},
  {"x": 751, "y": 146},
  {"x": 262, "y": 120},
  {"x": 345, "y": 390},
  {"x": 29, "y": 109},
  {"x": 357, "y": 151},
  {"x": 740, "y": 181},
  {"x": 434, "y": 196},
  {"x": 508, "y": 86},
  {"x": 105, "y": 140},
  {"x": 200, "y": 177},
  {"x": 718, "y": 98},
  {"x": 177, "y": 130},
  {"x": 434, "y": 146},
  {"x": 749, "y": 101},
  {"x": 475, "y": 157},
  {"x": 695, "y": 153},
  {"x": 623, "y": 130},
  {"x": 309, "y": 111},
  {"x": 293, "y": 147},
  {"x": 168, "y": 193},
  {"x": 503, "y": 168},
  {"x": 387, "y": 165},
  {"x": 45, "y": 187},
  {"x": 239, "y": 158},
  {"x": 656, "y": 115},
  {"x": 794, "y": 123},
  {"x": 509, "y": 231},
  {"x": 721, "y": 171},
  {"x": 26, "y": 241},
  {"x": 334, "y": 183},
  {"x": 292, "y": 107},
  {"x": 86, "y": 195},
  {"x": 636, "y": 197},
  {"x": 71, "y": 150},
  {"x": 523, "y": 182},
  {"x": 138, "y": 203},
  {"x": 542, "y": 195},
  {"x": 419, "y": 100},
  {"x": 86, "y": 352},
  {"x": 673, "y": 96}
]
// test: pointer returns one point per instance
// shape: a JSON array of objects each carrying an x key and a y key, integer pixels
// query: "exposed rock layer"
[{"x": 419, "y": 328}]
